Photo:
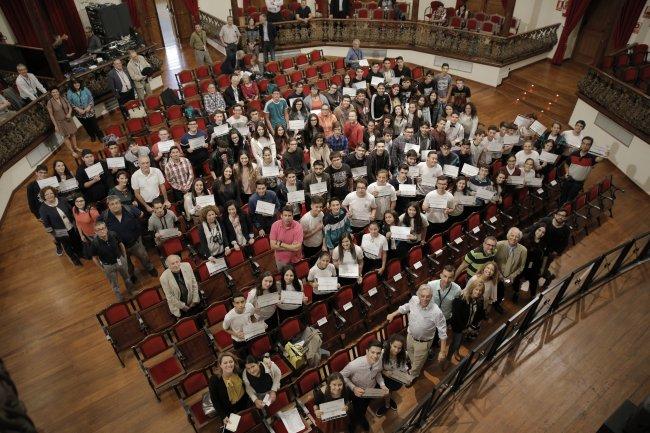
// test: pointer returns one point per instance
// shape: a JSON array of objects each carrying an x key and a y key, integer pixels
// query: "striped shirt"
[
  {"x": 475, "y": 259},
  {"x": 580, "y": 165}
]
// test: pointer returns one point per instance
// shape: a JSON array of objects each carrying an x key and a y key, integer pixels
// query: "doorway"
[
  {"x": 167, "y": 24},
  {"x": 596, "y": 31}
]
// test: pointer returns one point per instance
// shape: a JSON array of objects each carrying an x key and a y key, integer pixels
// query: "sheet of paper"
[
  {"x": 94, "y": 170},
  {"x": 374, "y": 81},
  {"x": 361, "y": 85},
  {"x": 292, "y": 420},
  {"x": 400, "y": 376},
  {"x": 407, "y": 190},
  {"x": 409, "y": 146},
  {"x": 265, "y": 208},
  {"x": 358, "y": 172},
  {"x": 450, "y": 170},
  {"x": 384, "y": 191},
  {"x": 267, "y": 400},
  {"x": 548, "y": 157},
  {"x": 165, "y": 146},
  {"x": 320, "y": 322},
  {"x": 328, "y": 284},
  {"x": 347, "y": 270},
  {"x": 395, "y": 80},
  {"x": 350, "y": 91},
  {"x": 364, "y": 63},
  {"x": 371, "y": 248},
  {"x": 466, "y": 200},
  {"x": 373, "y": 393},
  {"x": 332, "y": 409},
  {"x": 511, "y": 139},
  {"x": 600, "y": 149},
  {"x": 515, "y": 180},
  {"x": 68, "y": 185},
  {"x": 48, "y": 181},
  {"x": 428, "y": 181},
  {"x": 296, "y": 125},
  {"x": 400, "y": 233},
  {"x": 217, "y": 266},
  {"x": 316, "y": 112},
  {"x": 267, "y": 299},
  {"x": 205, "y": 200},
  {"x": 484, "y": 194},
  {"x": 221, "y": 130},
  {"x": 318, "y": 188},
  {"x": 244, "y": 131},
  {"x": 537, "y": 128},
  {"x": 437, "y": 201},
  {"x": 169, "y": 233},
  {"x": 414, "y": 171},
  {"x": 117, "y": 162},
  {"x": 233, "y": 422},
  {"x": 254, "y": 329},
  {"x": 536, "y": 182},
  {"x": 291, "y": 297},
  {"x": 270, "y": 170},
  {"x": 469, "y": 170},
  {"x": 296, "y": 196},
  {"x": 196, "y": 142},
  {"x": 495, "y": 146},
  {"x": 521, "y": 120}
]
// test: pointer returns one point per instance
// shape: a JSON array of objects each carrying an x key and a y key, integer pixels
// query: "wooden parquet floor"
[{"x": 66, "y": 372}]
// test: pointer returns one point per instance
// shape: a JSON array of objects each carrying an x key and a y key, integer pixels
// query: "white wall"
[
  {"x": 217, "y": 8},
  {"x": 634, "y": 161},
  {"x": 6, "y": 29}
]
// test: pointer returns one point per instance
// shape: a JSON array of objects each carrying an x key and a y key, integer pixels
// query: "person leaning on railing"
[{"x": 29, "y": 88}]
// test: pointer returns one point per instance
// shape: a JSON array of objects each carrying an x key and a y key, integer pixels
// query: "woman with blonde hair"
[
  {"x": 227, "y": 390},
  {"x": 466, "y": 315},
  {"x": 489, "y": 276}
]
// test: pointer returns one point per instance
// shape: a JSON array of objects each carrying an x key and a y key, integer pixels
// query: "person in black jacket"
[
  {"x": 467, "y": 311},
  {"x": 380, "y": 103},
  {"x": 227, "y": 391},
  {"x": 377, "y": 160},
  {"x": 557, "y": 236},
  {"x": 535, "y": 243},
  {"x": 95, "y": 189},
  {"x": 214, "y": 239},
  {"x": 33, "y": 189},
  {"x": 239, "y": 228},
  {"x": 293, "y": 159},
  {"x": 61, "y": 227},
  {"x": 233, "y": 94},
  {"x": 268, "y": 32},
  {"x": 340, "y": 9}
]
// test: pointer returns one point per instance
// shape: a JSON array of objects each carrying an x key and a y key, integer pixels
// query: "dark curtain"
[
  {"x": 16, "y": 14},
  {"x": 193, "y": 8},
  {"x": 64, "y": 18},
  {"x": 505, "y": 6},
  {"x": 133, "y": 11},
  {"x": 626, "y": 22},
  {"x": 575, "y": 12}
]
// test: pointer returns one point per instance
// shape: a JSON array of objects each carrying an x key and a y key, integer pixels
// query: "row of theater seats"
[
  {"x": 630, "y": 66},
  {"x": 181, "y": 354}
]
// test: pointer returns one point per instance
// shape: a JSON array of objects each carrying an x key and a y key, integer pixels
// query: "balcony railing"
[
  {"x": 413, "y": 35},
  {"x": 505, "y": 339},
  {"x": 31, "y": 124},
  {"x": 626, "y": 105}
]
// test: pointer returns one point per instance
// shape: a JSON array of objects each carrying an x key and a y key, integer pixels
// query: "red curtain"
[
  {"x": 133, "y": 11},
  {"x": 630, "y": 13},
  {"x": 64, "y": 18},
  {"x": 193, "y": 7},
  {"x": 21, "y": 26},
  {"x": 575, "y": 12}
]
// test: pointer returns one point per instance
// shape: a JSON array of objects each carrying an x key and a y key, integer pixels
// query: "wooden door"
[
  {"x": 149, "y": 23},
  {"x": 182, "y": 20},
  {"x": 596, "y": 30}
]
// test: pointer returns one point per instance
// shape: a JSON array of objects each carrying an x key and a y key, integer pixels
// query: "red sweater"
[{"x": 354, "y": 133}]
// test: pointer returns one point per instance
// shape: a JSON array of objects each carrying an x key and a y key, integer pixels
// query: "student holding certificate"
[
  {"x": 263, "y": 217},
  {"x": 348, "y": 255},
  {"x": 289, "y": 281},
  {"x": 390, "y": 221},
  {"x": 417, "y": 221},
  {"x": 375, "y": 249},
  {"x": 227, "y": 390},
  {"x": 394, "y": 360},
  {"x": 213, "y": 237},
  {"x": 269, "y": 170},
  {"x": 334, "y": 390},
  {"x": 261, "y": 380},
  {"x": 265, "y": 313},
  {"x": 438, "y": 204}
]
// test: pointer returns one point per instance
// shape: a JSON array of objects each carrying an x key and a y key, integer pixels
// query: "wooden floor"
[{"x": 66, "y": 372}]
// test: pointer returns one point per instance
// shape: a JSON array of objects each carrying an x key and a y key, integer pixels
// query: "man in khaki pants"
[
  {"x": 199, "y": 42},
  {"x": 424, "y": 317}
]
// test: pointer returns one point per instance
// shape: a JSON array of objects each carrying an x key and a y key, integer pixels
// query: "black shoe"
[
  {"x": 498, "y": 308},
  {"x": 153, "y": 272},
  {"x": 381, "y": 411},
  {"x": 59, "y": 250},
  {"x": 515, "y": 297},
  {"x": 393, "y": 405},
  {"x": 365, "y": 426}
]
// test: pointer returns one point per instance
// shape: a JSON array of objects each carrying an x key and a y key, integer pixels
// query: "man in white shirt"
[
  {"x": 229, "y": 35},
  {"x": 573, "y": 137},
  {"x": 312, "y": 227},
  {"x": 148, "y": 183},
  {"x": 454, "y": 130},
  {"x": 360, "y": 205},
  {"x": 424, "y": 317},
  {"x": 273, "y": 7},
  {"x": 428, "y": 172},
  {"x": 437, "y": 205},
  {"x": 384, "y": 193},
  {"x": 235, "y": 320},
  {"x": 29, "y": 88}
]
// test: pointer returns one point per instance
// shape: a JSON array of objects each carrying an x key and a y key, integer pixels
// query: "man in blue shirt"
[
  {"x": 354, "y": 55},
  {"x": 277, "y": 111},
  {"x": 261, "y": 220}
]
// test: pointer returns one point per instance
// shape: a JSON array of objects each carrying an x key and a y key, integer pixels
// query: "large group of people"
[{"x": 347, "y": 179}]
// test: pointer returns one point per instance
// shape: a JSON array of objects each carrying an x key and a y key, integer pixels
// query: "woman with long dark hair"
[
  {"x": 84, "y": 106},
  {"x": 537, "y": 253},
  {"x": 239, "y": 228},
  {"x": 289, "y": 281},
  {"x": 58, "y": 219},
  {"x": 334, "y": 389},
  {"x": 63, "y": 173},
  {"x": 191, "y": 208},
  {"x": 418, "y": 222},
  {"x": 394, "y": 359},
  {"x": 265, "y": 286},
  {"x": 226, "y": 188},
  {"x": 246, "y": 174},
  {"x": 85, "y": 216},
  {"x": 467, "y": 312},
  {"x": 312, "y": 129},
  {"x": 348, "y": 253}
]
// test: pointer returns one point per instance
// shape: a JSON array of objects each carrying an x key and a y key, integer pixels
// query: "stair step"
[{"x": 535, "y": 89}]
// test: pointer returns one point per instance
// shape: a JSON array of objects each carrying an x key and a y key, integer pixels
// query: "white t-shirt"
[
  {"x": 235, "y": 321},
  {"x": 149, "y": 185},
  {"x": 386, "y": 196},
  {"x": 347, "y": 257},
  {"x": 360, "y": 208},
  {"x": 315, "y": 272},
  {"x": 572, "y": 139},
  {"x": 368, "y": 244},
  {"x": 436, "y": 215},
  {"x": 522, "y": 157},
  {"x": 309, "y": 223},
  {"x": 430, "y": 174}
]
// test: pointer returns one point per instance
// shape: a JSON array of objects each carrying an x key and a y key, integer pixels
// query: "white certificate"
[
  {"x": 400, "y": 376},
  {"x": 428, "y": 181},
  {"x": 205, "y": 200},
  {"x": 438, "y": 202},
  {"x": 347, "y": 270},
  {"x": 165, "y": 146},
  {"x": 495, "y": 146},
  {"x": 599, "y": 149},
  {"x": 267, "y": 299},
  {"x": 296, "y": 196},
  {"x": 409, "y": 146},
  {"x": 466, "y": 200},
  {"x": 244, "y": 131},
  {"x": 350, "y": 91},
  {"x": 414, "y": 171},
  {"x": 217, "y": 266},
  {"x": 169, "y": 233},
  {"x": 265, "y": 208},
  {"x": 292, "y": 420},
  {"x": 328, "y": 284},
  {"x": 332, "y": 409},
  {"x": 296, "y": 125},
  {"x": 221, "y": 130},
  {"x": 358, "y": 172},
  {"x": 510, "y": 139},
  {"x": 361, "y": 85},
  {"x": 536, "y": 182},
  {"x": 233, "y": 422},
  {"x": 400, "y": 233},
  {"x": 117, "y": 162},
  {"x": 407, "y": 190},
  {"x": 373, "y": 393},
  {"x": 450, "y": 170},
  {"x": 484, "y": 194},
  {"x": 548, "y": 157},
  {"x": 48, "y": 181},
  {"x": 364, "y": 63},
  {"x": 316, "y": 112},
  {"x": 521, "y": 120},
  {"x": 195, "y": 143},
  {"x": 537, "y": 128},
  {"x": 68, "y": 185},
  {"x": 395, "y": 80},
  {"x": 515, "y": 180},
  {"x": 94, "y": 170},
  {"x": 270, "y": 170},
  {"x": 254, "y": 329},
  {"x": 318, "y": 188},
  {"x": 291, "y": 297},
  {"x": 371, "y": 248},
  {"x": 384, "y": 191},
  {"x": 469, "y": 170},
  {"x": 374, "y": 81}
]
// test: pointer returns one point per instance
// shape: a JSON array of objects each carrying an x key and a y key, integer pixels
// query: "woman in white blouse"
[
  {"x": 469, "y": 119},
  {"x": 347, "y": 253},
  {"x": 261, "y": 139},
  {"x": 265, "y": 313}
]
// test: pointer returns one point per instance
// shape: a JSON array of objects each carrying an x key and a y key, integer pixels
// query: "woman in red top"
[
  {"x": 84, "y": 217},
  {"x": 249, "y": 88}
]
